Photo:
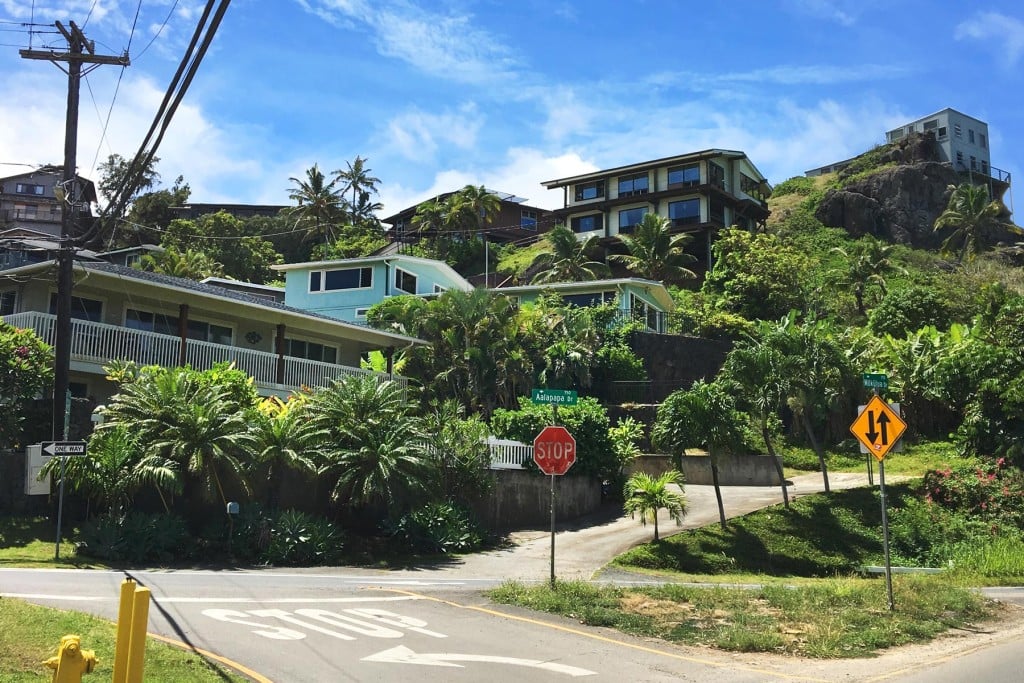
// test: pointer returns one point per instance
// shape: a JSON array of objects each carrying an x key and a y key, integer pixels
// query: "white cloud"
[
  {"x": 416, "y": 135},
  {"x": 1002, "y": 33}
]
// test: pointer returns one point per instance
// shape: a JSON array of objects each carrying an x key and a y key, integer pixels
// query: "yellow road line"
[
  {"x": 259, "y": 678},
  {"x": 604, "y": 639}
]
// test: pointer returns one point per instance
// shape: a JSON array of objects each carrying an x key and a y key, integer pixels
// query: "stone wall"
[
  {"x": 733, "y": 470},
  {"x": 675, "y": 362},
  {"x": 522, "y": 499}
]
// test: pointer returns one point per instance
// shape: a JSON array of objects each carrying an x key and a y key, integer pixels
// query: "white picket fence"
[{"x": 507, "y": 454}]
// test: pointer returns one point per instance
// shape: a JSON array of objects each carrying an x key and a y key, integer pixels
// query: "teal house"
[{"x": 346, "y": 288}]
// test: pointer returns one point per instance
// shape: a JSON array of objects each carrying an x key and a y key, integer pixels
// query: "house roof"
[
  {"x": 656, "y": 289},
  {"x": 259, "y": 305},
  {"x": 640, "y": 166},
  {"x": 502, "y": 196},
  {"x": 457, "y": 281},
  {"x": 88, "y": 187}
]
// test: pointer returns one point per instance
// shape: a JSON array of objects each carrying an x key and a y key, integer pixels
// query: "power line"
[{"x": 159, "y": 30}]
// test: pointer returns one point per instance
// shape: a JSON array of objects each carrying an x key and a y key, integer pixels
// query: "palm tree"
[
  {"x": 319, "y": 203},
  {"x": 654, "y": 253},
  {"x": 180, "y": 415},
  {"x": 284, "y": 436},
  {"x": 646, "y": 494},
  {"x": 973, "y": 220},
  {"x": 472, "y": 207},
  {"x": 189, "y": 264},
  {"x": 357, "y": 180},
  {"x": 760, "y": 372},
  {"x": 568, "y": 260},
  {"x": 868, "y": 263}
]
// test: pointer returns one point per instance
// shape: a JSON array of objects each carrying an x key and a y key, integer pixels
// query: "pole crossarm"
[{"x": 54, "y": 56}]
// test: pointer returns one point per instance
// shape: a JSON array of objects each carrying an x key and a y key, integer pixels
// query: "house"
[
  {"x": 30, "y": 200},
  {"x": 963, "y": 140},
  {"x": 514, "y": 221},
  {"x": 698, "y": 192},
  {"x": 130, "y": 256},
  {"x": 120, "y": 313},
  {"x": 346, "y": 288}
]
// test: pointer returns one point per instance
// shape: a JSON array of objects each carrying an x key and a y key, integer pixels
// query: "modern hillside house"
[
  {"x": 120, "y": 313},
  {"x": 963, "y": 140},
  {"x": 346, "y": 288},
  {"x": 30, "y": 203},
  {"x": 698, "y": 192}
]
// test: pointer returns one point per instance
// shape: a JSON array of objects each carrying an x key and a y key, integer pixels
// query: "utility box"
[{"x": 35, "y": 459}]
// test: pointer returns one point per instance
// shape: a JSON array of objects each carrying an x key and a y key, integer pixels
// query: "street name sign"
[
  {"x": 874, "y": 380},
  {"x": 878, "y": 427},
  {"x": 558, "y": 397},
  {"x": 64, "y": 448},
  {"x": 554, "y": 450}
]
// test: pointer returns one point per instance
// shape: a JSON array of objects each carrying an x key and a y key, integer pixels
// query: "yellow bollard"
[
  {"x": 137, "y": 642},
  {"x": 71, "y": 661},
  {"x": 124, "y": 631}
]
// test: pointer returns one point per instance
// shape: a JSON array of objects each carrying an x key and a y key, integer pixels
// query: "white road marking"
[
  {"x": 44, "y": 596},
  {"x": 365, "y": 626},
  {"x": 216, "y": 601},
  {"x": 403, "y": 655}
]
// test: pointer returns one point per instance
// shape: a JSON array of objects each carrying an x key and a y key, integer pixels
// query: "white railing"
[
  {"x": 100, "y": 343},
  {"x": 507, "y": 454}
]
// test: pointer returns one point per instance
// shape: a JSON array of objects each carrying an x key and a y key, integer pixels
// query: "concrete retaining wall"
[
  {"x": 522, "y": 499},
  {"x": 733, "y": 470}
]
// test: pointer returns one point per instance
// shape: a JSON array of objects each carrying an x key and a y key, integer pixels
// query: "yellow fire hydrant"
[{"x": 71, "y": 661}]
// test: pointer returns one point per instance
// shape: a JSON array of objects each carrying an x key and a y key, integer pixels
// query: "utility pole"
[{"x": 80, "y": 51}]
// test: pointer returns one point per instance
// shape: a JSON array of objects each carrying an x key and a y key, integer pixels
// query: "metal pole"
[
  {"x": 552, "y": 531},
  {"x": 60, "y": 507},
  {"x": 871, "y": 469},
  {"x": 885, "y": 536}
]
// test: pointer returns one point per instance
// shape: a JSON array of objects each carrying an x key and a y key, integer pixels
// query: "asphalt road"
[{"x": 434, "y": 623}]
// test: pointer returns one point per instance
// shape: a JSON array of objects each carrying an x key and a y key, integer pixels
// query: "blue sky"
[{"x": 508, "y": 94}]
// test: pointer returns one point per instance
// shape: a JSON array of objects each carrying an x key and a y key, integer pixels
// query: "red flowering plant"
[
  {"x": 26, "y": 368},
  {"x": 986, "y": 488}
]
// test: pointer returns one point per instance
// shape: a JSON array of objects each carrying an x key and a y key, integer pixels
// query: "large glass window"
[
  {"x": 81, "y": 309},
  {"x": 631, "y": 185},
  {"x": 628, "y": 218},
  {"x": 591, "y": 299},
  {"x": 684, "y": 176},
  {"x": 151, "y": 322},
  {"x": 716, "y": 175},
  {"x": 208, "y": 332},
  {"x": 589, "y": 223},
  {"x": 528, "y": 219},
  {"x": 7, "y": 301},
  {"x": 716, "y": 211},
  {"x": 29, "y": 188},
  {"x": 589, "y": 190},
  {"x": 298, "y": 348},
  {"x": 345, "y": 278},
  {"x": 405, "y": 281},
  {"x": 685, "y": 212}
]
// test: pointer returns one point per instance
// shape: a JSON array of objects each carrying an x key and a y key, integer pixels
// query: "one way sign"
[
  {"x": 878, "y": 427},
  {"x": 64, "y": 448}
]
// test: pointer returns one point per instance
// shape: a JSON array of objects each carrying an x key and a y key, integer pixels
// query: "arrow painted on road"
[{"x": 403, "y": 655}]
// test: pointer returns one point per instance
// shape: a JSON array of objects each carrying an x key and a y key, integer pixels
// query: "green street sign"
[
  {"x": 874, "y": 380},
  {"x": 559, "y": 397}
]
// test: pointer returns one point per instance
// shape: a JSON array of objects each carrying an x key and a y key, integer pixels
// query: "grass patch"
[
  {"x": 30, "y": 634},
  {"x": 833, "y": 618},
  {"x": 817, "y": 536},
  {"x": 29, "y": 542},
  {"x": 914, "y": 460}
]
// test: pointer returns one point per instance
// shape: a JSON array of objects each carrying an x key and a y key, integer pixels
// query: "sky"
[{"x": 507, "y": 94}]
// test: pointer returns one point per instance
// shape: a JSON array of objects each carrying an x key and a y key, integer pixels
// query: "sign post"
[
  {"x": 554, "y": 451},
  {"x": 62, "y": 450},
  {"x": 879, "y": 428}
]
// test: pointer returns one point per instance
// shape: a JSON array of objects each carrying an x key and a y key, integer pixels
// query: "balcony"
[{"x": 98, "y": 344}]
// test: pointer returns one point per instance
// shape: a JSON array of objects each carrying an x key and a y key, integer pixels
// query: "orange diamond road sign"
[{"x": 878, "y": 427}]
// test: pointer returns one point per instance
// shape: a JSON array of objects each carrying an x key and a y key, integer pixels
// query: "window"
[
  {"x": 591, "y": 299},
  {"x": 151, "y": 322},
  {"x": 628, "y": 218},
  {"x": 297, "y": 348},
  {"x": 974, "y": 163},
  {"x": 896, "y": 134},
  {"x": 209, "y": 332},
  {"x": 942, "y": 133},
  {"x": 960, "y": 158},
  {"x": 29, "y": 211},
  {"x": 132, "y": 260},
  {"x": 405, "y": 281},
  {"x": 716, "y": 175},
  {"x": 982, "y": 141},
  {"x": 956, "y": 130},
  {"x": 750, "y": 186},
  {"x": 438, "y": 289},
  {"x": 632, "y": 185},
  {"x": 970, "y": 135},
  {"x": 7, "y": 301},
  {"x": 592, "y": 190},
  {"x": 930, "y": 125},
  {"x": 528, "y": 219},
  {"x": 684, "y": 176},
  {"x": 587, "y": 223},
  {"x": 29, "y": 188},
  {"x": 361, "y": 312},
  {"x": 81, "y": 309},
  {"x": 716, "y": 211},
  {"x": 347, "y": 278},
  {"x": 984, "y": 167},
  {"x": 686, "y": 212}
]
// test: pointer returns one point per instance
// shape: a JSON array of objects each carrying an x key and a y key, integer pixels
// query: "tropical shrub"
[
  {"x": 439, "y": 528},
  {"x": 907, "y": 310},
  {"x": 26, "y": 367},
  {"x": 299, "y": 539},
  {"x": 989, "y": 490},
  {"x": 136, "y": 538},
  {"x": 801, "y": 185}
]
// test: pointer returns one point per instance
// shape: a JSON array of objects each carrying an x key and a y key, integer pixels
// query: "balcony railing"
[{"x": 99, "y": 343}]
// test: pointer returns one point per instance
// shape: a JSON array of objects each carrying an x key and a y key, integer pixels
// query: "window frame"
[
  {"x": 580, "y": 189},
  {"x": 290, "y": 344},
  {"x": 575, "y": 220},
  {"x": 631, "y": 179},
  {"x": 629, "y": 227},
  {"x": 80, "y": 301},
  {"x": 321, "y": 278},
  {"x": 30, "y": 189},
  {"x": 685, "y": 220},
  {"x": 528, "y": 219},
  {"x": 402, "y": 277},
  {"x": 683, "y": 169},
  {"x": 8, "y": 302}
]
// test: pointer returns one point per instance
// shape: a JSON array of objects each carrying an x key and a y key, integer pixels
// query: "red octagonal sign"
[{"x": 554, "y": 450}]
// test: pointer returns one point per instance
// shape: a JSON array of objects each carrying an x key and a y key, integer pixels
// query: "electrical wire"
[
  {"x": 89, "y": 15},
  {"x": 159, "y": 31}
]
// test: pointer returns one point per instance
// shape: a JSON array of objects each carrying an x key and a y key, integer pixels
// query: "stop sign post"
[{"x": 554, "y": 451}]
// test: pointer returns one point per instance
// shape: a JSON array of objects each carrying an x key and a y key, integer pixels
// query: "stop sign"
[{"x": 554, "y": 450}]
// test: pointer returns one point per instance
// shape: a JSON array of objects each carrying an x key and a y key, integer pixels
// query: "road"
[{"x": 434, "y": 623}]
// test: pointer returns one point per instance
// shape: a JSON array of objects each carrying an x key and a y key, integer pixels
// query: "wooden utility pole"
[{"x": 80, "y": 51}]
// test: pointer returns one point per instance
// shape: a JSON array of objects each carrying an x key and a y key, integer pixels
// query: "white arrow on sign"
[
  {"x": 64, "y": 447},
  {"x": 403, "y": 655}
]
